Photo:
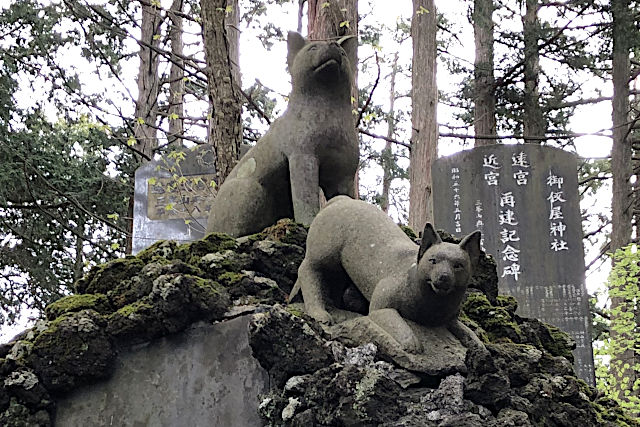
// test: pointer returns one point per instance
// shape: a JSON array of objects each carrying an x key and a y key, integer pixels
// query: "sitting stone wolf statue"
[
  {"x": 353, "y": 242},
  {"x": 312, "y": 145}
]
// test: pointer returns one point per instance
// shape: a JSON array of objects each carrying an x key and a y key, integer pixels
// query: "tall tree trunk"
[
  {"x": 225, "y": 125},
  {"x": 484, "y": 82},
  {"x": 330, "y": 21},
  {"x": 387, "y": 154},
  {"x": 621, "y": 167},
  {"x": 533, "y": 120},
  {"x": 145, "y": 130},
  {"x": 424, "y": 100},
  {"x": 146, "y": 111},
  {"x": 176, "y": 75}
]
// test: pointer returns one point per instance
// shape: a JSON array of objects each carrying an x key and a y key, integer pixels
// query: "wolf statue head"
[{"x": 321, "y": 67}]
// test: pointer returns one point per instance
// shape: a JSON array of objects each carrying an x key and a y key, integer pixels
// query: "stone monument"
[
  {"x": 312, "y": 145},
  {"x": 524, "y": 199},
  {"x": 173, "y": 197}
]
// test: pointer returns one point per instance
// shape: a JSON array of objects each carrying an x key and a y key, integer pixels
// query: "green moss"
[
  {"x": 163, "y": 249},
  {"x": 498, "y": 322},
  {"x": 230, "y": 278},
  {"x": 214, "y": 242},
  {"x": 507, "y": 302},
  {"x": 408, "y": 231},
  {"x": 284, "y": 231},
  {"x": 133, "y": 309},
  {"x": 71, "y": 303},
  {"x": 105, "y": 277},
  {"x": 560, "y": 343}
]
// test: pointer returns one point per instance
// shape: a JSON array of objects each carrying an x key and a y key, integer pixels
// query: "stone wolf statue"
[
  {"x": 351, "y": 242},
  {"x": 312, "y": 145}
]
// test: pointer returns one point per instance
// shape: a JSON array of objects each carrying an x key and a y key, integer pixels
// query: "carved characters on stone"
[
  {"x": 352, "y": 243},
  {"x": 312, "y": 145}
]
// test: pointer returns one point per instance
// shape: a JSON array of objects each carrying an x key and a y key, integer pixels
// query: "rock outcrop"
[{"x": 318, "y": 379}]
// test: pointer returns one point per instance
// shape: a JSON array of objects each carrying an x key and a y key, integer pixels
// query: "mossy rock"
[
  {"x": 175, "y": 301},
  {"x": 214, "y": 242},
  {"x": 103, "y": 278},
  {"x": 72, "y": 303},
  {"x": 161, "y": 250},
  {"x": 498, "y": 322},
  {"x": 74, "y": 350},
  {"x": 284, "y": 231},
  {"x": 129, "y": 291},
  {"x": 408, "y": 231}
]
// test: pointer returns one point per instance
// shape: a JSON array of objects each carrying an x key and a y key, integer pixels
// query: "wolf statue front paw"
[{"x": 320, "y": 315}]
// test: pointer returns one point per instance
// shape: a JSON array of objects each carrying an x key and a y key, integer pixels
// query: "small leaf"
[
  {"x": 422, "y": 10},
  {"x": 131, "y": 141},
  {"x": 213, "y": 184},
  {"x": 173, "y": 116},
  {"x": 344, "y": 24},
  {"x": 168, "y": 207},
  {"x": 152, "y": 180},
  {"x": 156, "y": 36},
  {"x": 113, "y": 216},
  {"x": 187, "y": 221},
  {"x": 115, "y": 246},
  {"x": 140, "y": 120},
  {"x": 229, "y": 9},
  {"x": 326, "y": 4}
]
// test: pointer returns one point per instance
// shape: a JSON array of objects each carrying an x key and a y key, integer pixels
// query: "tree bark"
[
  {"x": 484, "y": 81},
  {"x": 387, "y": 154},
  {"x": 424, "y": 100},
  {"x": 225, "y": 124},
  {"x": 176, "y": 75},
  {"x": 621, "y": 168},
  {"x": 533, "y": 119},
  {"x": 146, "y": 111}
]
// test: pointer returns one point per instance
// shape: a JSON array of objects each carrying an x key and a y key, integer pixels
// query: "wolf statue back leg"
[{"x": 243, "y": 207}]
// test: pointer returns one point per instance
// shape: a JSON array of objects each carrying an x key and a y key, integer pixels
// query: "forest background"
[{"x": 92, "y": 89}]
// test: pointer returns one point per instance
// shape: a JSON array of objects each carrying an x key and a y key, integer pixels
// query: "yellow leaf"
[
  {"x": 152, "y": 180},
  {"x": 131, "y": 142},
  {"x": 156, "y": 36},
  {"x": 422, "y": 10},
  {"x": 168, "y": 207},
  {"x": 344, "y": 24},
  {"x": 140, "y": 120},
  {"x": 326, "y": 4}
]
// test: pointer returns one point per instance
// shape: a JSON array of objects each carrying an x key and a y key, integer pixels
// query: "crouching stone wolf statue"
[
  {"x": 312, "y": 145},
  {"x": 351, "y": 242}
]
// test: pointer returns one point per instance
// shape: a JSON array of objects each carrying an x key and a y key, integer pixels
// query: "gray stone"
[
  {"x": 442, "y": 354},
  {"x": 173, "y": 196},
  {"x": 524, "y": 199},
  {"x": 206, "y": 376},
  {"x": 312, "y": 146},
  {"x": 353, "y": 243}
]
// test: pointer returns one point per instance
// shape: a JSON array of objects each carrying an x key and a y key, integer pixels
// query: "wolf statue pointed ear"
[
  {"x": 471, "y": 245},
  {"x": 295, "y": 42},
  {"x": 429, "y": 237},
  {"x": 350, "y": 46}
]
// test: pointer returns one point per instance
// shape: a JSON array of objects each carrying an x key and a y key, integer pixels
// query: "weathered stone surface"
[
  {"x": 442, "y": 353},
  {"x": 314, "y": 379},
  {"x": 312, "y": 145},
  {"x": 204, "y": 376}
]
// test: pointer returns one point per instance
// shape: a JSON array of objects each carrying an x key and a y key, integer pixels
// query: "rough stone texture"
[
  {"x": 315, "y": 379},
  {"x": 312, "y": 145},
  {"x": 204, "y": 376}
]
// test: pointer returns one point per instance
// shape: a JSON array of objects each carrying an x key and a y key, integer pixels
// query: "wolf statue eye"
[
  {"x": 433, "y": 261},
  {"x": 313, "y": 47},
  {"x": 457, "y": 265}
]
